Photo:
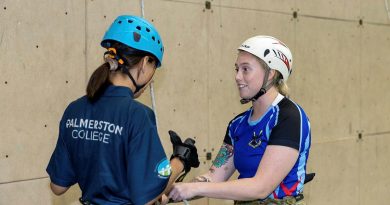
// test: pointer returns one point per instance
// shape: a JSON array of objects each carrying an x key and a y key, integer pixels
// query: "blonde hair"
[{"x": 280, "y": 84}]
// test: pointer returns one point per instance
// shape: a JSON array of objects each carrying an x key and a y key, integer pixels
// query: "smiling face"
[{"x": 249, "y": 74}]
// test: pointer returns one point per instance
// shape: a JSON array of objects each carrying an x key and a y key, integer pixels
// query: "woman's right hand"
[{"x": 183, "y": 191}]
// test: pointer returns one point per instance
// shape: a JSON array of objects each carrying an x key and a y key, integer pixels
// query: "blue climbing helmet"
[{"x": 137, "y": 33}]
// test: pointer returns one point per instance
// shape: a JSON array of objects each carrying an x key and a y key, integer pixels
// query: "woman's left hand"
[{"x": 183, "y": 191}]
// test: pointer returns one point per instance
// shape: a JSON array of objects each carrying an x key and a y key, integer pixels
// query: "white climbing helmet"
[{"x": 272, "y": 51}]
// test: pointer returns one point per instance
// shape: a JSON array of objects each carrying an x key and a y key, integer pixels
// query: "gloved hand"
[
  {"x": 186, "y": 151},
  {"x": 309, "y": 177}
]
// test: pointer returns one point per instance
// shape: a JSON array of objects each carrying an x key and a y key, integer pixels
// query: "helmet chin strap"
[
  {"x": 122, "y": 65},
  {"x": 137, "y": 87},
  {"x": 125, "y": 70},
  {"x": 264, "y": 88}
]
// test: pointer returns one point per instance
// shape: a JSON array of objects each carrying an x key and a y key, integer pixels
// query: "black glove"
[
  {"x": 309, "y": 177},
  {"x": 186, "y": 151}
]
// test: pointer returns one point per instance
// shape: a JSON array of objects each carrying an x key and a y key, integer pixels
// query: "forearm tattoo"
[
  {"x": 200, "y": 179},
  {"x": 223, "y": 156}
]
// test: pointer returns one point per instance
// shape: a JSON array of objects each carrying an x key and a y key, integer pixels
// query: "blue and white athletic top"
[
  {"x": 111, "y": 149},
  {"x": 284, "y": 123}
]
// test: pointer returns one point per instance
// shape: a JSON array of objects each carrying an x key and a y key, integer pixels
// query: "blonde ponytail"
[{"x": 280, "y": 84}]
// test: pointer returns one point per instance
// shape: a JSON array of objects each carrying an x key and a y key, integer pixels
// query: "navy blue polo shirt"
[{"x": 111, "y": 148}]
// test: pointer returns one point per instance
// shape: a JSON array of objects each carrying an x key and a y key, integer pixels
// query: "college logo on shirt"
[
  {"x": 164, "y": 168},
  {"x": 256, "y": 139},
  {"x": 92, "y": 130}
]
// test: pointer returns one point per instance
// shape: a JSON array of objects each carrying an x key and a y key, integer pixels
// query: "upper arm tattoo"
[{"x": 223, "y": 156}]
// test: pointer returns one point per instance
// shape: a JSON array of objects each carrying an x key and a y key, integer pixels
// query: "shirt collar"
[
  {"x": 276, "y": 101},
  {"x": 118, "y": 91}
]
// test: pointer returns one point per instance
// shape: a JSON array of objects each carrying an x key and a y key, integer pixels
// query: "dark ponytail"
[
  {"x": 98, "y": 82},
  {"x": 100, "y": 78}
]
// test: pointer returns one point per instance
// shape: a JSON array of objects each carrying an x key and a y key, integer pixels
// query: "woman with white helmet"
[
  {"x": 108, "y": 143},
  {"x": 268, "y": 144}
]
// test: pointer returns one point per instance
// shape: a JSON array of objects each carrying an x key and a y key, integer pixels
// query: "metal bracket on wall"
[
  {"x": 294, "y": 14},
  {"x": 207, "y": 4},
  {"x": 360, "y": 135},
  {"x": 360, "y": 21},
  {"x": 208, "y": 155}
]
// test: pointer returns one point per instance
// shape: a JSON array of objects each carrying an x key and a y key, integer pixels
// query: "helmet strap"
[
  {"x": 121, "y": 64},
  {"x": 125, "y": 70},
  {"x": 264, "y": 88}
]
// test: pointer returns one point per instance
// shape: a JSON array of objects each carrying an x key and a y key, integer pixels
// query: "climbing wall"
[{"x": 340, "y": 77}]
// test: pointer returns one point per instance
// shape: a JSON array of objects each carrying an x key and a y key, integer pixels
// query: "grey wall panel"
[
  {"x": 181, "y": 83},
  {"x": 36, "y": 192},
  {"x": 267, "y": 6},
  {"x": 336, "y": 180},
  {"x": 375, "y": 76},
  {"x": 323, "y": 80},
  {"x": 375, "y": 11},
  {"x": 25, "y": 193},
  {"x": 41, "y": 71},
  {"x": 374, "y": 169},
  {"x": 340, "y": 77},
  {"x": 335, "y": 9}
]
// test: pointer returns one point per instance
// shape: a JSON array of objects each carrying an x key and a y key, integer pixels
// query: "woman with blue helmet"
[
  {"x": 108, "y": 143},
  {"x": 268, "y": 144}
]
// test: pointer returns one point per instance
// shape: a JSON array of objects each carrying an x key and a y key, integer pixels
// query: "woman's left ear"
[
  {"x": 144, "y": 63},
  {"x": 272, "y": 74}
]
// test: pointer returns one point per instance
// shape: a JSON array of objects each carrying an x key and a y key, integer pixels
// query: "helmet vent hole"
[
  {"x": 154, "y": 39},
  {"x": 119, "y": 22},
  {"x": 269, "y": 61},
  {"x": 138, "y": 27},
  {"x": 136, "y": 36},
  {"x": 266, "y": 52},
  {"x": 129, "y": 21},
  {"x": 147, "y": 29},
  {"x": 158, "y": 41}
]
